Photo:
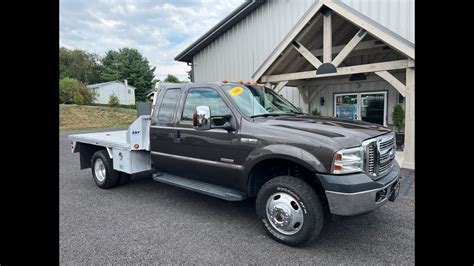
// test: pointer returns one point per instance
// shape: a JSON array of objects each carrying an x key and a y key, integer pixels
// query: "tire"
[
  {"x": 279, "y": 195},
  {"x": 105, "y": 176},
  {"x": 124, "y": 178}
]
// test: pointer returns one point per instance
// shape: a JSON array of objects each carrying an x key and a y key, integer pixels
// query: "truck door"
[
  {"x": 204, "y": 155},
  {"x": 162, "y": 134}
]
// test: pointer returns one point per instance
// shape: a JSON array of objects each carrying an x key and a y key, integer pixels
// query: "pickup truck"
[{"x": 236, "y": 141}]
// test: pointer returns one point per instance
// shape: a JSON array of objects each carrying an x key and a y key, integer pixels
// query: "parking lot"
[{"x": 150, "y": 222}]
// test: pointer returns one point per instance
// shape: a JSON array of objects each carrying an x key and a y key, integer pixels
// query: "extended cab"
[{"x": 234, "y": 141}]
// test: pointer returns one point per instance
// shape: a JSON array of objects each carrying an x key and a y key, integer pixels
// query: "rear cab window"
[{"x": 167, "y": 107}]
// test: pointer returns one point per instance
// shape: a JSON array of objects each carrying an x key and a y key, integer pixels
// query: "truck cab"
[{"x": 236, "y": 141}]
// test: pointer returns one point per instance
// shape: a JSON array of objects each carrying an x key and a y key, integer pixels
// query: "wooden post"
[
  {"x": 327, "y": 39},
  {"x": 409, "y": 158}
]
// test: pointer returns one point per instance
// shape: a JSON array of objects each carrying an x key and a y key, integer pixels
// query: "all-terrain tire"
[{"x": 305, "y": 197}]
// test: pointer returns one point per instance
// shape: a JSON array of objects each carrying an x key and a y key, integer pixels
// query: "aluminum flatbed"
[
  {"x": 129, "y": 149},
  {"x": 111, "y": 139}
]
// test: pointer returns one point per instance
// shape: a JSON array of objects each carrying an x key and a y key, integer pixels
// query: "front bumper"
[{"x": 358, "y": 193}]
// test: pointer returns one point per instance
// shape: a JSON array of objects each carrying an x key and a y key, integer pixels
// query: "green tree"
[
  {"x": 172, "y": 79},
  {"x": 80, "y": 65},
  {"x": 190, "y": 75},
  {"x": 65, "y": 85},
  {"x": 129, "y": 64}
]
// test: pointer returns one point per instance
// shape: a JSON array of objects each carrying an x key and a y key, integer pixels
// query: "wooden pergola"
[{"x": 323, "y": 48}]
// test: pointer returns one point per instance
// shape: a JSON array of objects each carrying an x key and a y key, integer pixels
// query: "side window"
[
  {"x": 168, "y": 105},
  {"x": 204, "y": 96}
]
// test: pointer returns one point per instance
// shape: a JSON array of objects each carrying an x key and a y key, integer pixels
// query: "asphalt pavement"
[{"x": 150, "y": 222}]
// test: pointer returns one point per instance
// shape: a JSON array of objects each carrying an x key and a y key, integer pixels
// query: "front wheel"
[{"x": 290, "y": 210}]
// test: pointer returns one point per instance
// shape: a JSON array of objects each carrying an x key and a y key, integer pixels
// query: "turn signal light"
[{"x": 225, "y": 81}]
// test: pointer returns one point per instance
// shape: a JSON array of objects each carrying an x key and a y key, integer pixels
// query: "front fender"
[{"x": 282, "y": 151}]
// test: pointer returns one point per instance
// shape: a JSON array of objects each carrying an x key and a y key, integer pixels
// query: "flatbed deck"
[{"x": 113, "y": 139}]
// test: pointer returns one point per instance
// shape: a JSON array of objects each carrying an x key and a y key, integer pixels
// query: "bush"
[
  {"x": 114, "y": 100},
  {"x": 398, "y": 117},
  {"x": 74, "y": 91},
  {"x": 64, "y": 85},
  {"x": 315, "y": 112},
  {"x": 78, "y": 99}
]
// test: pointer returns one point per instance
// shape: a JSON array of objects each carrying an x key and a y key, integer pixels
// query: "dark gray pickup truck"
[{"x": 236, "y": 141}]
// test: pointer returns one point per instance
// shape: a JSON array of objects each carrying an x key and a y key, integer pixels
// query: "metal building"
[{"x": 352, "y": 58}]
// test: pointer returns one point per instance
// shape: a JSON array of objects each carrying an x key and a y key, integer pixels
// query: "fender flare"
[{"x": 281, "y": 151}]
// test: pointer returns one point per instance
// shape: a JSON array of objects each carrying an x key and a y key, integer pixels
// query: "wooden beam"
[
  {"x": 307, "y": 54},
  {"x": 393, "y": 81},
  {"x": 315, "y": 93},
  {"x": 308, "y": 28},
  {"x": 362, "y": 46},
  {"x": 303, "y": 93},
  {"x": 349, "y": 47},
  {"x": 291, "y": 36},
  {"x": 375, "y": 67},
  {"x": 343, "y": 80},
  {"x": 327, "y": 39},
  {"x": 280, "y": 86},
  {"x": 386, "y": 37},
  {"x": 292, "y": 66}
]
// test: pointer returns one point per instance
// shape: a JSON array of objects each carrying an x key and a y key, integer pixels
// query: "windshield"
[{"x": 259, "y": 101}]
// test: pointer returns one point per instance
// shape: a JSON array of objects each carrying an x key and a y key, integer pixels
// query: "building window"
[
  {"x": 365, "y": 106},
  {"x": 129, "y": 91}
]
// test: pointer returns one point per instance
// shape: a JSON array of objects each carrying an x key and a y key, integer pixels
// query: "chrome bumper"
[{"x": 346, "y": 204}]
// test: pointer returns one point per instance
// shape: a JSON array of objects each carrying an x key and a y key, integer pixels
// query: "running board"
[{"x": 201, "y": 187}]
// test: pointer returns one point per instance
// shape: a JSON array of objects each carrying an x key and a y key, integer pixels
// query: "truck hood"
[{"x": 348, "y": 133}]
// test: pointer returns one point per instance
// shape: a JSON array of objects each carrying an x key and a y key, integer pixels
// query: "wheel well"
[
  {"x": 86, "y": 151},
  {"x": 271, "y": 168}
]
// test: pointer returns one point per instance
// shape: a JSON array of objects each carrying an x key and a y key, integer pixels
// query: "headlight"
[{"x": 348, "y": 161}]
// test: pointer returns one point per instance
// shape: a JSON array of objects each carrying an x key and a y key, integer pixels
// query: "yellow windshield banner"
[{"x": 236, "y": 91}]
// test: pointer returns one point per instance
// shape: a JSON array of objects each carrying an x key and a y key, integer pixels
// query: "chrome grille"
[
  {"x": 387, "y": 144},
  {"x": 380, "y": 154},
  {"x": 371, "y": 149}
]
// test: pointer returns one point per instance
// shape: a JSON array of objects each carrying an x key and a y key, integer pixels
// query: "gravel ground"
[{"x": 150, "y": 222}]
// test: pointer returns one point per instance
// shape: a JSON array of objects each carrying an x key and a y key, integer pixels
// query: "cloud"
[{"x": 159, "y": 29}]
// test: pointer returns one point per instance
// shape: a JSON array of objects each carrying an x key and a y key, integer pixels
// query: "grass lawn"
[{"x": 73, "y": 117}]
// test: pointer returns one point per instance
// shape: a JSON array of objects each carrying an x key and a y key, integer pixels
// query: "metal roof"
[
  {"x": 233, "y": 18},
  {"x": 96, "y": 85}
]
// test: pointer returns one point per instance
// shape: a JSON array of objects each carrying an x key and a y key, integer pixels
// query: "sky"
[{"x": 158, "y": 29}]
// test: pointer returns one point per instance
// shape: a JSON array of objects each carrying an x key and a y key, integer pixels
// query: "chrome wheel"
[
  {"x": 284, "y": 213},
  {"x": 99, "y": 169}
]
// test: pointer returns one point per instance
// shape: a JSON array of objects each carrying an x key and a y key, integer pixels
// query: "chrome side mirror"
[{"x": 202, "y": 118}]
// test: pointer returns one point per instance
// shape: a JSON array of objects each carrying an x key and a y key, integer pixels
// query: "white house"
[
  {"x": 124, "y": 92},
  {"x": 346, "y": 58}
]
